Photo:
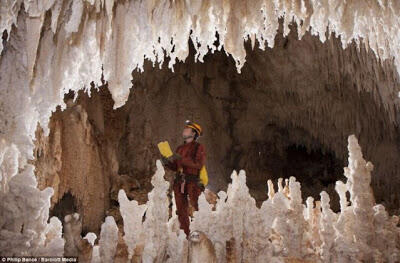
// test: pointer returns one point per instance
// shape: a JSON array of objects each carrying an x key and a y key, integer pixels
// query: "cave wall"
[
  {"x": 75, "y": 163},
  {"x": 51, "y": 47},
  {"x": 301, "y": 92},
  {"x": 288, "y": 113}
]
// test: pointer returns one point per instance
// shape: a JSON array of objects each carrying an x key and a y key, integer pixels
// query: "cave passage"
[{"x": 288, "y": 113}]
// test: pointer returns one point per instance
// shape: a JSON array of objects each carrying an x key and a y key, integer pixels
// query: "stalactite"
[{"x": 91, "y": 34}]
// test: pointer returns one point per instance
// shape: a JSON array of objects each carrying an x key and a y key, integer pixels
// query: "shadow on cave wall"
[{"x": 288, "y": 113}]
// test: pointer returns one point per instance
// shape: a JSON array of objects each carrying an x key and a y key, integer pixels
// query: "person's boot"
[{"x": 191, "y": 210}]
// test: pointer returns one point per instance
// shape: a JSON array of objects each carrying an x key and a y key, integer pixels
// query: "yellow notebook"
[{"x": 164, "y": 149}]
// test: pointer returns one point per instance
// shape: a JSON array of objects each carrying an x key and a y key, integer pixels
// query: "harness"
[{"x": 188, "y": 177}]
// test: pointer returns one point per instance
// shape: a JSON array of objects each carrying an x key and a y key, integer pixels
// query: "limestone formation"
[
  {"x": 52, "y": 47},
  {"x": 282, "y": 230}
]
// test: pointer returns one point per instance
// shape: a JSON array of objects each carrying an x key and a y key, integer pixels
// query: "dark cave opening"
[
  {"x": 65, "y": 206},
  {"x": 279, "y": 155},
  {"x": 316, "y": 170},
  {"x": 312, "y": 167}
]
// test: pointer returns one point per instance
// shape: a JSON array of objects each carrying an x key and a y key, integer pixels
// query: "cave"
[
  {"x": 289, "y": 104},
  {"x": 256, "y": 121}
]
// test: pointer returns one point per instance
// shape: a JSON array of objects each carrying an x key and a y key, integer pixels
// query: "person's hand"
[
  {"x": 176, "y": 156},
  {"x": 164, "y": 160}
]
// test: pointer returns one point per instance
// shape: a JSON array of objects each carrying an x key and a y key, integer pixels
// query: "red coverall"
[{"x": 191, "y": 164}]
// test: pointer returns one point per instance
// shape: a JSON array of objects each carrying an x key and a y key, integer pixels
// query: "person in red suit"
[{"x": 187, "y": 161}]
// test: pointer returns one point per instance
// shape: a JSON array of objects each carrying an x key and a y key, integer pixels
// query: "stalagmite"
[
  {"x": 75, "y": 245},
  {"x": 327, "y": 232},
  {"x": 108, "y": 240},
  {"x": 283, "y": 228},
  {"x": 132, "y": 213},
  {"x": 24, "y": 215},
  {"x": 155, "y": 225},
  {"x": 177, "y": 247}
]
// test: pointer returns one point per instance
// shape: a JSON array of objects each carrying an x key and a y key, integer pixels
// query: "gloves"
[
  {"x": 176, "y": 156},
  {"x": 201, "y": 186},
  {"x": 164, "y": 160}
]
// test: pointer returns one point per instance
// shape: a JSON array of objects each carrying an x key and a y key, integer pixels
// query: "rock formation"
[
  {"x": 347, "y": 85},
  {"x": 282, "y": 230}
]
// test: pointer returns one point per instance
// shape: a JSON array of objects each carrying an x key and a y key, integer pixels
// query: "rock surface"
[
  {"x": 284, "y": 115},
  {"x": 50, "y": 48}
]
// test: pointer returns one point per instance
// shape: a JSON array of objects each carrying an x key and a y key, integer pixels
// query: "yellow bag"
[
  {"x": 203, "y": 175},
  {"x": 164, "y": 149}
]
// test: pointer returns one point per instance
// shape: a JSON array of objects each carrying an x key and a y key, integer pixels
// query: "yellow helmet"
[{"x": 194, "y": 126}]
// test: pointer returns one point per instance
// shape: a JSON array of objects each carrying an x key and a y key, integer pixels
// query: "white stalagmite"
[
  {"x": 327, "y": 232},
  {"x": 84, "y": 37},
  {"x": 155, "y": 225},
  {"x": 24, "y": 229},
  {"x": 283, "y": 228},
  {"x": 177, "y": 245},
  {"x": 132, "y": 214},
  {"x": 108, "y": 240}
]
